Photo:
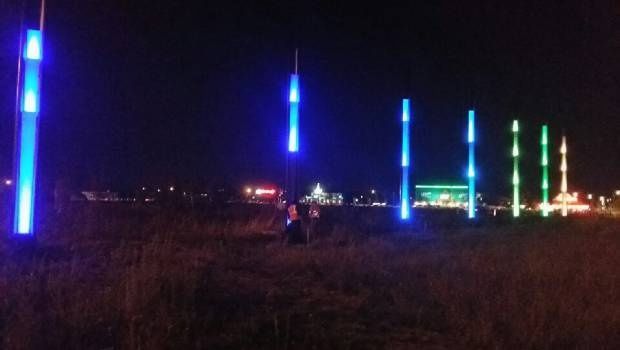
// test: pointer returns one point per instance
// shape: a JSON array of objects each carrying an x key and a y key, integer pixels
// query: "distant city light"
[
  {"x": 8, "y": 182},
  {"x": 372, "y": 191},
  {"x": 544, "y": 149},
  {"x": 471, "y": 172},
  {"x": 317, "y": 190},
  {"x": 263, "y": 191},
  {"x": 26, "y": 152},
  {"x": 405, "y": 208},
  {"x": 248, "y": 190},
  {"x": 516, "y": 207},
  {"x": 590, "y": 196},
  {"x": 143, "y": 188},
  {"x": 617, "y": 192},
  {"x": 171, "y": 188}
]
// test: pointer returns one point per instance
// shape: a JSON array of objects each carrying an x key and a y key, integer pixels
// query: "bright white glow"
[
  {"x": 617, "y": 192},
  {"x": 30, "y": 102},
  {"x": 515, "y": 126},
  {"x": 171, "y": 188},
  {"x": 25, "y": 209},
  {"x": 405, "y": 161},
  {"x": 317, "y": 190},
  {"x": 515, "y": 150},
  {"x": 515, "y": 178},
  {"x": 294, "y": 96},
  {"x": 292, "y": 140},
  {"x": 33, "y": 48},
  {"x": 261, "y": 191},
  {"x": 471, "y": 172},
  {"x": 406, "y": 113},
  {"x": 8, "y": 182},
  {"x": 545, "y": 184},
  {"x": 589, "y": 195},
  {"x": 563, "y": 166},
  {"x": 563, "y": 147}
]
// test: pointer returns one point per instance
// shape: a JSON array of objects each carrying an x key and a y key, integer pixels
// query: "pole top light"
[
  {"x": 34, "y": 48},
  {"x": 515, "y": 126}
]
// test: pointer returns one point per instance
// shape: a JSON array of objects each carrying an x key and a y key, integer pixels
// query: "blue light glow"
[
  {"x": 405, "y": 207},
  {"x": 471, "y": 173},
  {"x": 30, "y": 95},
  {"x": 293, "y": 135},
  {"x": 27, "y": 137},
  {"x": 33, "y": 45}
]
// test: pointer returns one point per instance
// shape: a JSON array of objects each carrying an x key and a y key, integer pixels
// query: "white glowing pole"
[
  {"x": 471, "y": 167},
  {"x": 516, "y": 206},
  {"x": 564, "y": 169}
]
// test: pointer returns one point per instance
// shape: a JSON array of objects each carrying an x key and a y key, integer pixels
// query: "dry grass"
[{"x": 152, "y": 279}]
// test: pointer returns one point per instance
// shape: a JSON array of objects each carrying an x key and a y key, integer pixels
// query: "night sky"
[{"x": 195, "y": 92}]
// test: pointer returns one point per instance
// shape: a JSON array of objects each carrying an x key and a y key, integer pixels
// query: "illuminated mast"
[
  {"x": 563, "y": 169},
  {"x": 471, "y": 168},
  {"x": 544, "y": 162},
  {"x": 405, "y": 208},
  {"x": 27, "y": 125},
  {"x": 293, "y": 136},
  {"x": 515, "y": 169}
]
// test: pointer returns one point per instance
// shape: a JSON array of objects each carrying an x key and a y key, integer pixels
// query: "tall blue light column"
[
  {"x": 293, "y": 121},
  {"x": 405, "y": 207},
  {"x": 293, "y": 139},
  {"x": 27, "y": 130},
  {"x": 471, "y": 167}
]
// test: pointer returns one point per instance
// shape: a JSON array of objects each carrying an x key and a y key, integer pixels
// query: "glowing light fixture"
[
  {"x": 471, "y": 168},
  {"x": 26, "y": 147},
  {"x": 544, "y": 162},
  {"x": 293, "y": 133},
  {"x": 448, "y": 187},
  {"x": 405, "y": 207},
  {"x": 564, "y": 185},
  {"x": 516, "y": 205}
]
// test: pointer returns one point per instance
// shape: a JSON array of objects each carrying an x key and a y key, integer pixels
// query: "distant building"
[
  {"x": 96, "y": 196},
  {"x": 322, "y": 198},
  {"x": 442, "y": 196},
  {"x": 262, "y": 194},
  {"x": 573, "y": 202}
]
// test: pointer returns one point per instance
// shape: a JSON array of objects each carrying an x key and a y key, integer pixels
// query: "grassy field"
[{"x": 104, "y": 277}]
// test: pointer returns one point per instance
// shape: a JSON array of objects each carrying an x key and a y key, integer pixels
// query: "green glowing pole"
[
  {"x": 544, "y": 162},
  {"x": 515, "y": 169}
]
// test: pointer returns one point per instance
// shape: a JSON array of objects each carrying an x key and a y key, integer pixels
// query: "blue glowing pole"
[
  {"x": 405, "y": 207},
  {"x": 293, "y": 136},
  {"x": 293, "y": 122},
  {"x": 471, "y": 168},
  {"x": 26, "y": 150}
]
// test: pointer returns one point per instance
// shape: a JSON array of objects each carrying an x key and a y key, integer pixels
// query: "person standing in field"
[
  {"x": 293, "y": 227},
  {"x": 314, "y": 213}
]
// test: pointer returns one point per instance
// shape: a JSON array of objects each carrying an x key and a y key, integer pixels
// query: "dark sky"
[{"x": 195, "y": 91}]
